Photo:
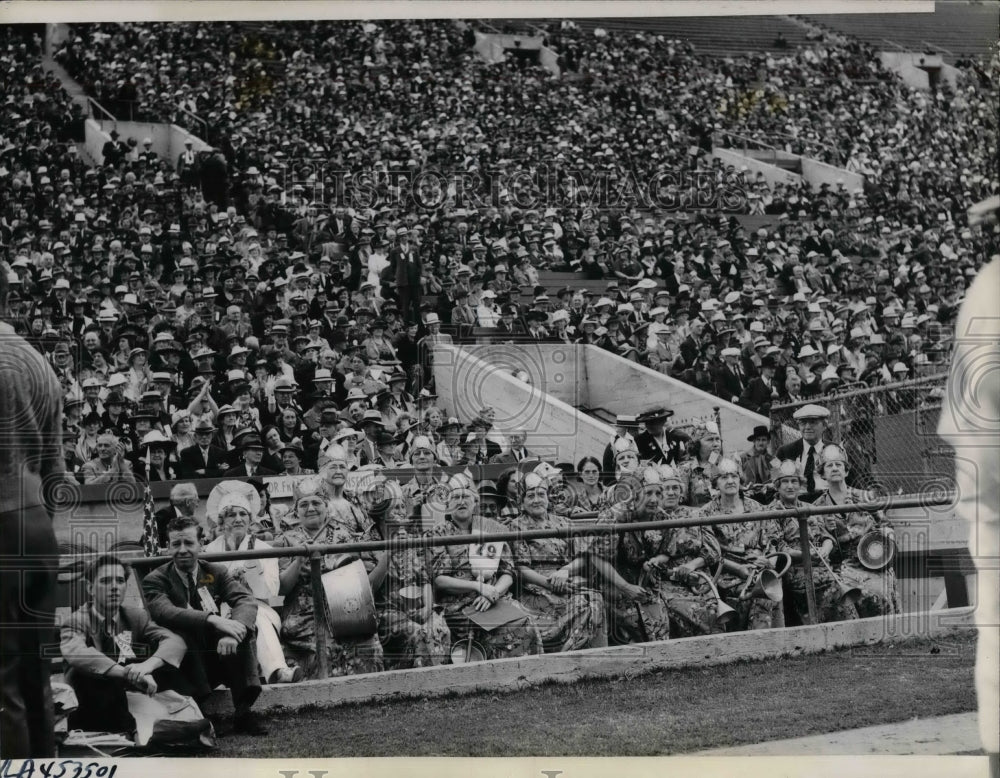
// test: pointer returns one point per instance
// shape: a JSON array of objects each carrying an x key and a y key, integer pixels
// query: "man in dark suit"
[
  {"x": 516, "y": 453},
  {"x": 187, "y": 596},
  {"x": 656, "y": 443},
  {"x": 110, "y": 648},
  {"x": 761, "y": 391},
  {"x": 807, "y": 450},
  {"x": 183, "y": 502},
  {"x": 691, "y": 345},
  {"x": 252, "y": 450},
  {"x": 730, "y": 380},
  {"x": 203, "y": 460},
  {"x": 404, "y": 270}
]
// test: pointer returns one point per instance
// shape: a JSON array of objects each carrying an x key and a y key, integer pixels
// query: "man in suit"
[
  {"x": 186, "y": 596},
  {"x": 110, "y": 648},
  {"x": 730, "y": 379},
  {"x": 252, "y": 449},
  {"x": 516, "y": 453},
  {"x": 183, "y": 502},
  {"x": 806, "y": 451},
  {"x": 761, "y": 391},
  {"x": 656, "y": 443},
  {"x": 203, "y": 460},
  {"x": 405, "y": 269}
]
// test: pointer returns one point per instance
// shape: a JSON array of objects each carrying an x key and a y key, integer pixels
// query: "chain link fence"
[{"x": 888, "y": 432}]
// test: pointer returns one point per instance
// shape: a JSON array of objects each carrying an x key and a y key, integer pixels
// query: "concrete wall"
[
  {"x": 817, "y": 173},
  {"x": 623, "y": 386},
  {"x": 96, "y": 137},
  {"x": 772, "y": 174},
  {"x": 491, "y": 47},
  {"x": 556, "y": 430},
  {"x": 557, "y": 370},
  {"x": 904, "y": 64}
]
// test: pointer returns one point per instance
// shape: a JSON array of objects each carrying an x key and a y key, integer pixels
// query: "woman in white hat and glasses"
[
  {"x": 830, "y": 605},
  {"x": 552, "y": 577},
  {"x": 747, "y": 544},
  {"x": 879, "y": 595},
  {"x": 473, "y": 582},
  {"x": 412, "y": 629},
  {"x": 233, "y": 507},
  {"x": 345, "y": 656}
]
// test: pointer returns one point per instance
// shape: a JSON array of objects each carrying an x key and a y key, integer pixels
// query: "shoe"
[
  {"x": 286, "y": 675},
  {"x": 248, "y": 724}
]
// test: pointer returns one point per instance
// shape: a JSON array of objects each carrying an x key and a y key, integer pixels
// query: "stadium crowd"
[{"x": 224, "y": 315}]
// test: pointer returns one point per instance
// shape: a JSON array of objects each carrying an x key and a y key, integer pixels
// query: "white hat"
[
  {"x": 730, "y": 352},
  {"x": 807, "y": 351},
  {"x": 811, "y": 411},
  {"x": 432, "y": 318}
]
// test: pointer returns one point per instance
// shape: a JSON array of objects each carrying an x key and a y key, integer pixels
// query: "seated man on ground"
[{"x": 110, "y": 648}]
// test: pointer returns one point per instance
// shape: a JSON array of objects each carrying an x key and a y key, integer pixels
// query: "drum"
[{"x": 349, "y": 600}]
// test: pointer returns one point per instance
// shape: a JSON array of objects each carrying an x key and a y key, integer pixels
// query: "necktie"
[
  {"x": 193, "y": 597},
  {"x": 809, "y": 472}
]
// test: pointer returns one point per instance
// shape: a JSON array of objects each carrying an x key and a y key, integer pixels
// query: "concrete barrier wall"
[
  {"x": 817, "y": 173},
  {"x": 904, "y": 64},
  {"x": 94, "y": 139},
  {"x": 623, "y": 386},
  {"x": 772, "y": 174},
  {"x": 556, "y": 430},
  {"x": 557, "y": 370}
]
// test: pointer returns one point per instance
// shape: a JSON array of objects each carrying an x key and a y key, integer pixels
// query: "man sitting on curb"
[
  {"x": 186, "y": 596},
  {"x": 111, "y": 648}
]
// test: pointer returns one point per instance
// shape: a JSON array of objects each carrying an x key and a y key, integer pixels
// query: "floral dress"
[
  {"x": 879, "y": 595},
  {"x": 347, "y": 656},
  {"x": 630, "y": 621},
  {"x": 830, "y": 606},
  {"x": 692, "y": 604},
  {"x": 567, "y": 621},
  {"x": 406, "y": 640},
  {"x": 736, "y": 540},
  {"x": 519, "y": 637}
]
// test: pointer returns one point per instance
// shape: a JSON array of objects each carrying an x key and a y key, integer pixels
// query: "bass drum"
[{"x": 350, "y": 602}]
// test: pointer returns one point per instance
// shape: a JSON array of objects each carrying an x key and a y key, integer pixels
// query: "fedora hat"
[{"x": 760, "y": 431}]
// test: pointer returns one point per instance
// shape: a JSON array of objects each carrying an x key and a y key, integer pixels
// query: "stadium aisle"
[{"x": 939, "y": 735}]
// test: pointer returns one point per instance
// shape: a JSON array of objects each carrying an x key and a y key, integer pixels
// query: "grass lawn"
[{"x": 662, "y": 712}]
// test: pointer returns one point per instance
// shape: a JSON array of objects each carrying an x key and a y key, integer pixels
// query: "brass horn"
[
  {"x": 876, "y": 550},
  {"x": 723, "y": 613},
  {"x": 847, "y": 593},
  {"x": 763, "y": 583}
]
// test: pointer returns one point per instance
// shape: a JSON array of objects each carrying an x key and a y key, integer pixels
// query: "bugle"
[
  {"x": 762, "y": 576},
  {"x": 723, "y": 613},
  {"x": 846, "y": 592}
]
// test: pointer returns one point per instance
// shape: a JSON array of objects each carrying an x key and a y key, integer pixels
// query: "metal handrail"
[
  {"x": 93, "y": 103},
  {"x": 937, "y": 49},
  {"x": 194, "y": 116}
]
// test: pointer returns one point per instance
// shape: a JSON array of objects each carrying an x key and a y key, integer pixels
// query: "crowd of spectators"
[{"x": 225, "y": 315}]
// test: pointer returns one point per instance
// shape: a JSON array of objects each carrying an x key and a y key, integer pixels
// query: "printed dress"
[
  {"x": 518, "y": 637},
  {"x": 692, "y": 604},
  {"x": 737, "y": 541},
  {"x": 567, "y": 621},
  {"x": 879, "y": 595},
  {"x": 830, "y": 606},
  {"x": 630, "y": 621},
  {"x": 348, "y": 656},
  {"x": 407, "y": 640}
]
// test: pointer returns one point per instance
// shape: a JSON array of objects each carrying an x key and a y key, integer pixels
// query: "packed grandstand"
[{"x": 268, "y": 303}]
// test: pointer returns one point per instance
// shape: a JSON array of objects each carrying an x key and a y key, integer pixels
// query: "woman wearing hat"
[
  {"x": 298, "y": 628},
  {"x": 232, "y": 507},
  {"x": 879, "y": 596},
  {"x": 743, "y": 544},
  {"x": 291, "y": 458},
  {"x": 626, "y": 457},
  {"x": 377, "y": 347},
  {"x": 154, "y": 461},
  {"x": 699, "y": 471},
  {"x": 636, "y": 609},
  {"x": 138, "y": 374},
  {"x": 479, "y": 577},
  {"x": 830, "y": 606},
  {"x": 227, "y": 418},
  {"x": 449, "y": 447},
  {"x": 551, "y": 576},
  {"x": 180, "y": 429},
  {"x": 412, "y": 630}
]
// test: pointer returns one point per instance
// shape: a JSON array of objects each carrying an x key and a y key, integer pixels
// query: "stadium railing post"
[
  {"x": 807, "y": 567},
  {"x": 319, "y": 613}
]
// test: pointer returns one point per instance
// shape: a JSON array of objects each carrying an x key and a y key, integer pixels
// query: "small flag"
[{"x": 150, "y": 534}]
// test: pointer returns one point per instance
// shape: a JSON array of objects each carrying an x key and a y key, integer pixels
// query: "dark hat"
[
  {"x": 294, "y": 447},
  {"x": 251, "y": 441},
  {"x": 760, "y": 431},
  {"x": 204, "y": 426},
  {"x": 385, "y": 438},
  {"x": 536, "y": 316},
  {"x": 654, "y": 414},
  {"x": 114, "y": 398},
  {"x": 329, "y": 417}
]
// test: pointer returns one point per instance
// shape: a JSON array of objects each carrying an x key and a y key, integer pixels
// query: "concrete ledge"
[{"x": 523, "y": 672}]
